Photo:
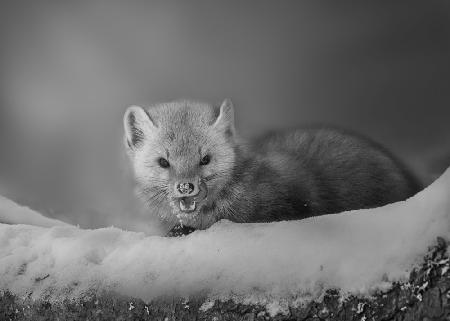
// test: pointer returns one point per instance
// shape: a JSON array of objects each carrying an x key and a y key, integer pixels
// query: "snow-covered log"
[{"x": 277, "y": 265}]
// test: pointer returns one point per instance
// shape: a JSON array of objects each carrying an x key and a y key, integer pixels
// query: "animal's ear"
[
  {"x": 225, "y": 120},
  {"x": 137, "y": 124}
]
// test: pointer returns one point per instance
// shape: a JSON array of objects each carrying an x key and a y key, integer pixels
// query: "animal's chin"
[{"x": 187, "y": 212}]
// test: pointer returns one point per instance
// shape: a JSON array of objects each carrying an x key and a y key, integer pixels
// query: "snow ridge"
[{"x": 356, "y": 251}]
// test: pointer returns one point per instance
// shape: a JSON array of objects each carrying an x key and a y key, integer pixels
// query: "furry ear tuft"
[
  {"x": 137, "y": 125},
  {"x": 225, "y": 120}
]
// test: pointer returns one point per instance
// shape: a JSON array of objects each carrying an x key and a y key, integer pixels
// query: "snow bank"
[
  {"x": 356, "y": 251},
  {"x": 12, "y": 213}
]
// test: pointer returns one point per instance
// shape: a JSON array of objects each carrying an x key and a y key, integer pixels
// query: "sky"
[{"x": 69, "y": 69}]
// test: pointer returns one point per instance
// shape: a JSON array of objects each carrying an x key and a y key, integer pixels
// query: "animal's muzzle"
[{"x": 189, "y": 194}]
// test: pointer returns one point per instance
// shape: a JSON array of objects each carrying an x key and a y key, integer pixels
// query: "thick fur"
[{"x": 282, "y": 176}]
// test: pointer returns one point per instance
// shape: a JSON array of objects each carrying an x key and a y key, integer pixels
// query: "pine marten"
[{"x": 191, "y": 167}]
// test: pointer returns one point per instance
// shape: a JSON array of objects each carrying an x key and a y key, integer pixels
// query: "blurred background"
[{"x": 70, "y": 68}]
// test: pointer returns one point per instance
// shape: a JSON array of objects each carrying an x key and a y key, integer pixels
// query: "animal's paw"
[{"x": 180, "y": 230}]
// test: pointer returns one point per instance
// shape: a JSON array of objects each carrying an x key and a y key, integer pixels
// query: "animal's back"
[{"x": 323, "y": 170}]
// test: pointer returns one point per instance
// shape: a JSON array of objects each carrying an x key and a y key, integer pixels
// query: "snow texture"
[{"x": 357, "y": 252}]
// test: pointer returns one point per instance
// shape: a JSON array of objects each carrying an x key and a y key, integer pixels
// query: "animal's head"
[{"x": 183, "y": 154}]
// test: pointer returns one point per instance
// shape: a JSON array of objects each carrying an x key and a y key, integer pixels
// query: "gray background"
[{"x": 70, "y": 68}]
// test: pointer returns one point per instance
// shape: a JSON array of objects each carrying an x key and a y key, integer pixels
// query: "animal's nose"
[{"x": 185, "y": 188}]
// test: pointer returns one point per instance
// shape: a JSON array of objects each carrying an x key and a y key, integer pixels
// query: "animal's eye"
[
  {"x": 205, "y": 160},
  {"x": 164, "y": 163}
]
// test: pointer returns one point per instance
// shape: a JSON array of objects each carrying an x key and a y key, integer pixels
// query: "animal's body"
[{"x": 191, "y": 167}]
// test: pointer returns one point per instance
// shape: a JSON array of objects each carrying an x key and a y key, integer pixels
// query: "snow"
[
  {"x": 274, "y": 264},
  {"x": 11, "y": 213},
  {"x": 208, "y": 304}
]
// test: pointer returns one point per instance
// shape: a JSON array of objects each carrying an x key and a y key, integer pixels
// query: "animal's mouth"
[
  {"x": 187, "y": 204},
  {"x": 190, "y": 204}
]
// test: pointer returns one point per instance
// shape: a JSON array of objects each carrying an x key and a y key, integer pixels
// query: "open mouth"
[
  {"x": 187, "y": 204},
  {"x": 190, "y": 204}
]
